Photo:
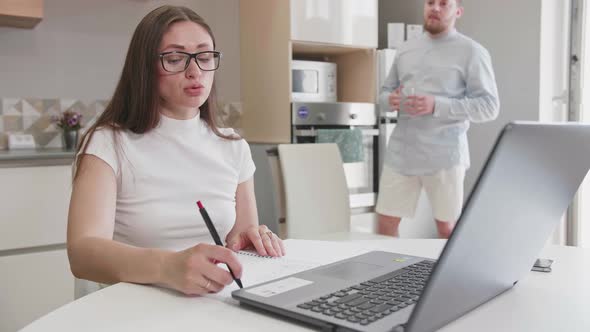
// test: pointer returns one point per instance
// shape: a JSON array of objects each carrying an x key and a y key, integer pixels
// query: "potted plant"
[{"x": 70, "y": 123}]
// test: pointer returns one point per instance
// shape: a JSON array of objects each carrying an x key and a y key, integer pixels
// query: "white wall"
[
  {"x": 78, "y": 49},
  {"x": 390, "y": 11},
  {"x": 510, "y": 30}
]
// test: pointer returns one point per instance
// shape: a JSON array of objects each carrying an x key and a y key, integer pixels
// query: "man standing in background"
[{"x": 439, "y": 83}]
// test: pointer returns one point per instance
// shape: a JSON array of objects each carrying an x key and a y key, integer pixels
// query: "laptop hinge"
[{"x": 399, "y": 328}]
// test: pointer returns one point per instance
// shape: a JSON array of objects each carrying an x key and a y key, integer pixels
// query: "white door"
[
  {"x": 554, "y": 77},
  {"x": 579, "y": 111}
]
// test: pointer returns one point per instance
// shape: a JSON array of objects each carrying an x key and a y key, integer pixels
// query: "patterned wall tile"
[
  {"x": 51, "y": 106},
  {"x": 13, "y": 123},
  {"x": 33, "y": 116},
  {"x": 54, "y": 141},
  {"x": 29, "y": 121},
  {"x": 95, "y": 109},
  {"x": 43, "y": 130},
  {"x": 11, "y": 106},
  {"x": 31, "y": 106}
]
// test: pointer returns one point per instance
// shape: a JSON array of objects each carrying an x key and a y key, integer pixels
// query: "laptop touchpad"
[{"x": 347, "y": 270}]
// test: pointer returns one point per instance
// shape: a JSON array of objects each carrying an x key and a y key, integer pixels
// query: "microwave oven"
[{"x": 313, "y": 81}]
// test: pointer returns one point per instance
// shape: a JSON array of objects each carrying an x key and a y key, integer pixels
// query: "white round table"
[{"x": 559, "y": 300}]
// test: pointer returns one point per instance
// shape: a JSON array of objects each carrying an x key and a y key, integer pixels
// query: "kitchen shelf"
[
  {"x": 21, "y": 13},
  {"x": 267, "y": 48},
  {"x": 356, "y": 68}
]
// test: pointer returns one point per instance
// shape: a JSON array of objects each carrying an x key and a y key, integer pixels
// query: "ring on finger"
[{"x": 208, "y": 284}]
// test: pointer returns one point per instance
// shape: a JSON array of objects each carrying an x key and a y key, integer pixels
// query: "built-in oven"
[{"x": 310, "y": 120}]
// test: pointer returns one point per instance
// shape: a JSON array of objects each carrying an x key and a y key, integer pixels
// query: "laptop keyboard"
[{"x": 374, "y": 299}]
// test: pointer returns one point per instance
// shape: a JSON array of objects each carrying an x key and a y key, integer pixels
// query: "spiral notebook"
[
  {"x": 258, "y": 269},
  {"x": 253, "y": 254},
  {"x": 301, "y": 255}
]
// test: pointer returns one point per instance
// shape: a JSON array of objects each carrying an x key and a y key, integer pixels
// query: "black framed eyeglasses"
[{"x": 178, "y": 61}]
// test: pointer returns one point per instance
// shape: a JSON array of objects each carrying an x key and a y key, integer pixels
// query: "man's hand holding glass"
[{"x": 406, "y": 99}]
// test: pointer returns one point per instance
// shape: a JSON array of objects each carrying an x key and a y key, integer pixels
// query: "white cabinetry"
[
  {"x": 35, "y": 276},
  {"x": 33, "y": 206},
  {"x": 32, "y": 285},
  {"x": 344, "y": 22}
]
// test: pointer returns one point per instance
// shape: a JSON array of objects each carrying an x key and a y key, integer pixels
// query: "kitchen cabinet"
[
  {"x": 32, "y": 285},
  {"x": 343, "y": 22},
  {"x": 34, "y": 206},
  {"x": 21, "y": 13},
  {"x": 35, "y": 276},
  {"x": 273, "y": 33}
]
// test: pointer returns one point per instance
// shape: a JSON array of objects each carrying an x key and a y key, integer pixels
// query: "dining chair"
[{"x": 316, "y": 194}]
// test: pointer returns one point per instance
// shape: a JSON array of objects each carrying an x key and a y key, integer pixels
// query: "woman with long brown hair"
[{"x": 154, "y": 152}]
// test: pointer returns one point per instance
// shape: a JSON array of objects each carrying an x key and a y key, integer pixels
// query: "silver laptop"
[{"x": 528, "y": 181}]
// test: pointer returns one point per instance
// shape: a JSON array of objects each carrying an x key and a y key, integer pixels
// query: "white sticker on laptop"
[{"x": 279, "y": 287}]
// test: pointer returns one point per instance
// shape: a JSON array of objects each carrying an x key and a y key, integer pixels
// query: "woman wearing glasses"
[{"x": 150, "y": 156}]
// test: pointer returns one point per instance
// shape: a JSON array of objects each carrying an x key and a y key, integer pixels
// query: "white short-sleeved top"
[{"x": 163, "y": 173}]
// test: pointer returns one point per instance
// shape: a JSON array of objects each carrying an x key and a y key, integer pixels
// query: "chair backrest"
[
  {"x": 316, "y": 194},
  {"x": 264, "y": 186}
]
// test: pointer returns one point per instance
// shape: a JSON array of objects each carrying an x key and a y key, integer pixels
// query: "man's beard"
[{"x": 434, "y": 28}]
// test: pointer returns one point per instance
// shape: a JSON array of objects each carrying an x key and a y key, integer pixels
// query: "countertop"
[{"x": 36, "y": 157}]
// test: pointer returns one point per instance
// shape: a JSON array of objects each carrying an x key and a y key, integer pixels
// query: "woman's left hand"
[{"x": 260, "y": 237}]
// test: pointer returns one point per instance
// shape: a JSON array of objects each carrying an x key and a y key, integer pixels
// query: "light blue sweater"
[{"x": 458, "y": 72}]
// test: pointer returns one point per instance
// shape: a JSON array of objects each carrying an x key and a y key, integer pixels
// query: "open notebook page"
[
  {"x": 301, "y": 255},
  {"x": 258, "y": 269}
]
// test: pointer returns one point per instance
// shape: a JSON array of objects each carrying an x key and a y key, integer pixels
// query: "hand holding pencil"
[
  {"x": 216, "y": 238},
  {"x": 194, "y": 271}
]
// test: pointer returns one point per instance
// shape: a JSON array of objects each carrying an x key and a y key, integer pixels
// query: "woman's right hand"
[
  {"x": 194, "y": 271},
  {"x": 395, "y": 99}
]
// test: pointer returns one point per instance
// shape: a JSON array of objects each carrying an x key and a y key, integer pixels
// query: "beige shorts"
[{"x": 399, "y": 194}]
